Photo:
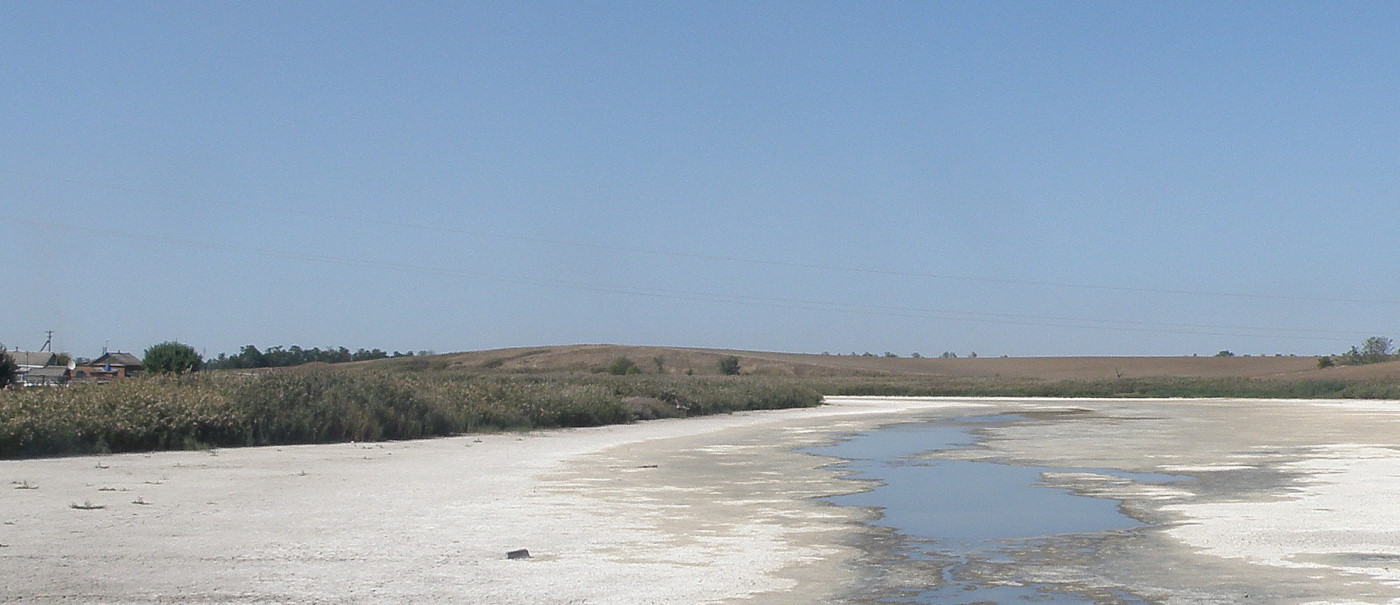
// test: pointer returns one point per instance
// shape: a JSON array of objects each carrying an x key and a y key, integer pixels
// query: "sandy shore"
[{"x": 1287, "y": 501}]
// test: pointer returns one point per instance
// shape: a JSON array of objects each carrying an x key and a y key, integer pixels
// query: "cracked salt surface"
[{"x": 1341, "y": 516}]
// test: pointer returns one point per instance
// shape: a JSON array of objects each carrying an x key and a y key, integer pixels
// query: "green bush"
[
  {"x": 623, "y": 366},
  {"x": 171, "y": 357}
]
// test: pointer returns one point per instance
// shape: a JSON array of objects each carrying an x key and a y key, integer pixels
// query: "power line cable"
[
  {"x": 784, "y": 303},
  {"x": 703, "y": 256}
]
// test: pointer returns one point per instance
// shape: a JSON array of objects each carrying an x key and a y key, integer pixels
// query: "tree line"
[
  {"x": 280, "y": 357},
  {"x": 179, "y": 358},
  {"x": 1375, "y": 349}
]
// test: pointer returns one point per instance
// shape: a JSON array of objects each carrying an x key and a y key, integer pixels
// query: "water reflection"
[{"x": 963, "y": 511}]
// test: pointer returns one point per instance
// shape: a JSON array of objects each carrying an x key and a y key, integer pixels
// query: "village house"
[
  {"x": 31, "y": 360},
  {"x": 28, "y": 363},
  {"x": 47, "y": 376},
  {"x": 108, "y": 367}
]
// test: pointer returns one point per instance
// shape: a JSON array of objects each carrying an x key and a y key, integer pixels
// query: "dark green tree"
[
  {"x": 1353, "y": 357},
  {"x": 171, "y": 357},
  {"x": 250, "y": 357},
  {"x": 1376, "y": 349},
  {"x": 8, "y": 368},
  {"x": 729, "y": 365}
]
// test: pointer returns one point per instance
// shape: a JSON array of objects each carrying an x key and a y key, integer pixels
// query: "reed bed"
[
  {"x": 224, "y": 409},
  {"x": 408, "y": 401}
]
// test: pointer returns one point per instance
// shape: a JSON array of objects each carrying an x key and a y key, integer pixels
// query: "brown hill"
[{"x": 677, "y": 360}]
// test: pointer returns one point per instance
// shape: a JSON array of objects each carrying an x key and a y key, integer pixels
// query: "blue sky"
[{"x": 1009, "y": 178}]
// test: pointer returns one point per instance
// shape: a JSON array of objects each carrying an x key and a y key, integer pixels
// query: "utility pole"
[{"x": 48, "y": 342}]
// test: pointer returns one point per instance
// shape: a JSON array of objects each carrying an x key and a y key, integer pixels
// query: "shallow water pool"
[{"x": 961, "y": 511}]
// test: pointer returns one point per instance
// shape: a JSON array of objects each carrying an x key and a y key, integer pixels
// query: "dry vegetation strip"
[
  {"x": 1148, "y": 387},
  {"x": 220, "y": 409},
  {"x": 405, "y": 401}
]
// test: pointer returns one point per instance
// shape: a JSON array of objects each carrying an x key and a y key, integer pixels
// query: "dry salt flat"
[
  {"x": 676, "y": 511},
  {"x": 1283, "y": 501}
]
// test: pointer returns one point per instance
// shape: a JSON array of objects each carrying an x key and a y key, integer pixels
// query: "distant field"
[{"x": 676, "y": 360}]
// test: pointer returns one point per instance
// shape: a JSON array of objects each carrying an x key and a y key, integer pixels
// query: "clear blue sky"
[{"x": 1013, "y": 178}]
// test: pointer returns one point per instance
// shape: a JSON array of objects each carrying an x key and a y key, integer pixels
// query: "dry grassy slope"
[
  {"x": 1377, "y": 371},
  {"x": 704, "y": 361}
]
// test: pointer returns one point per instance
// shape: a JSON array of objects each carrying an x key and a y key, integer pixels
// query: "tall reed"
[{"x": 221, "y": 409}]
